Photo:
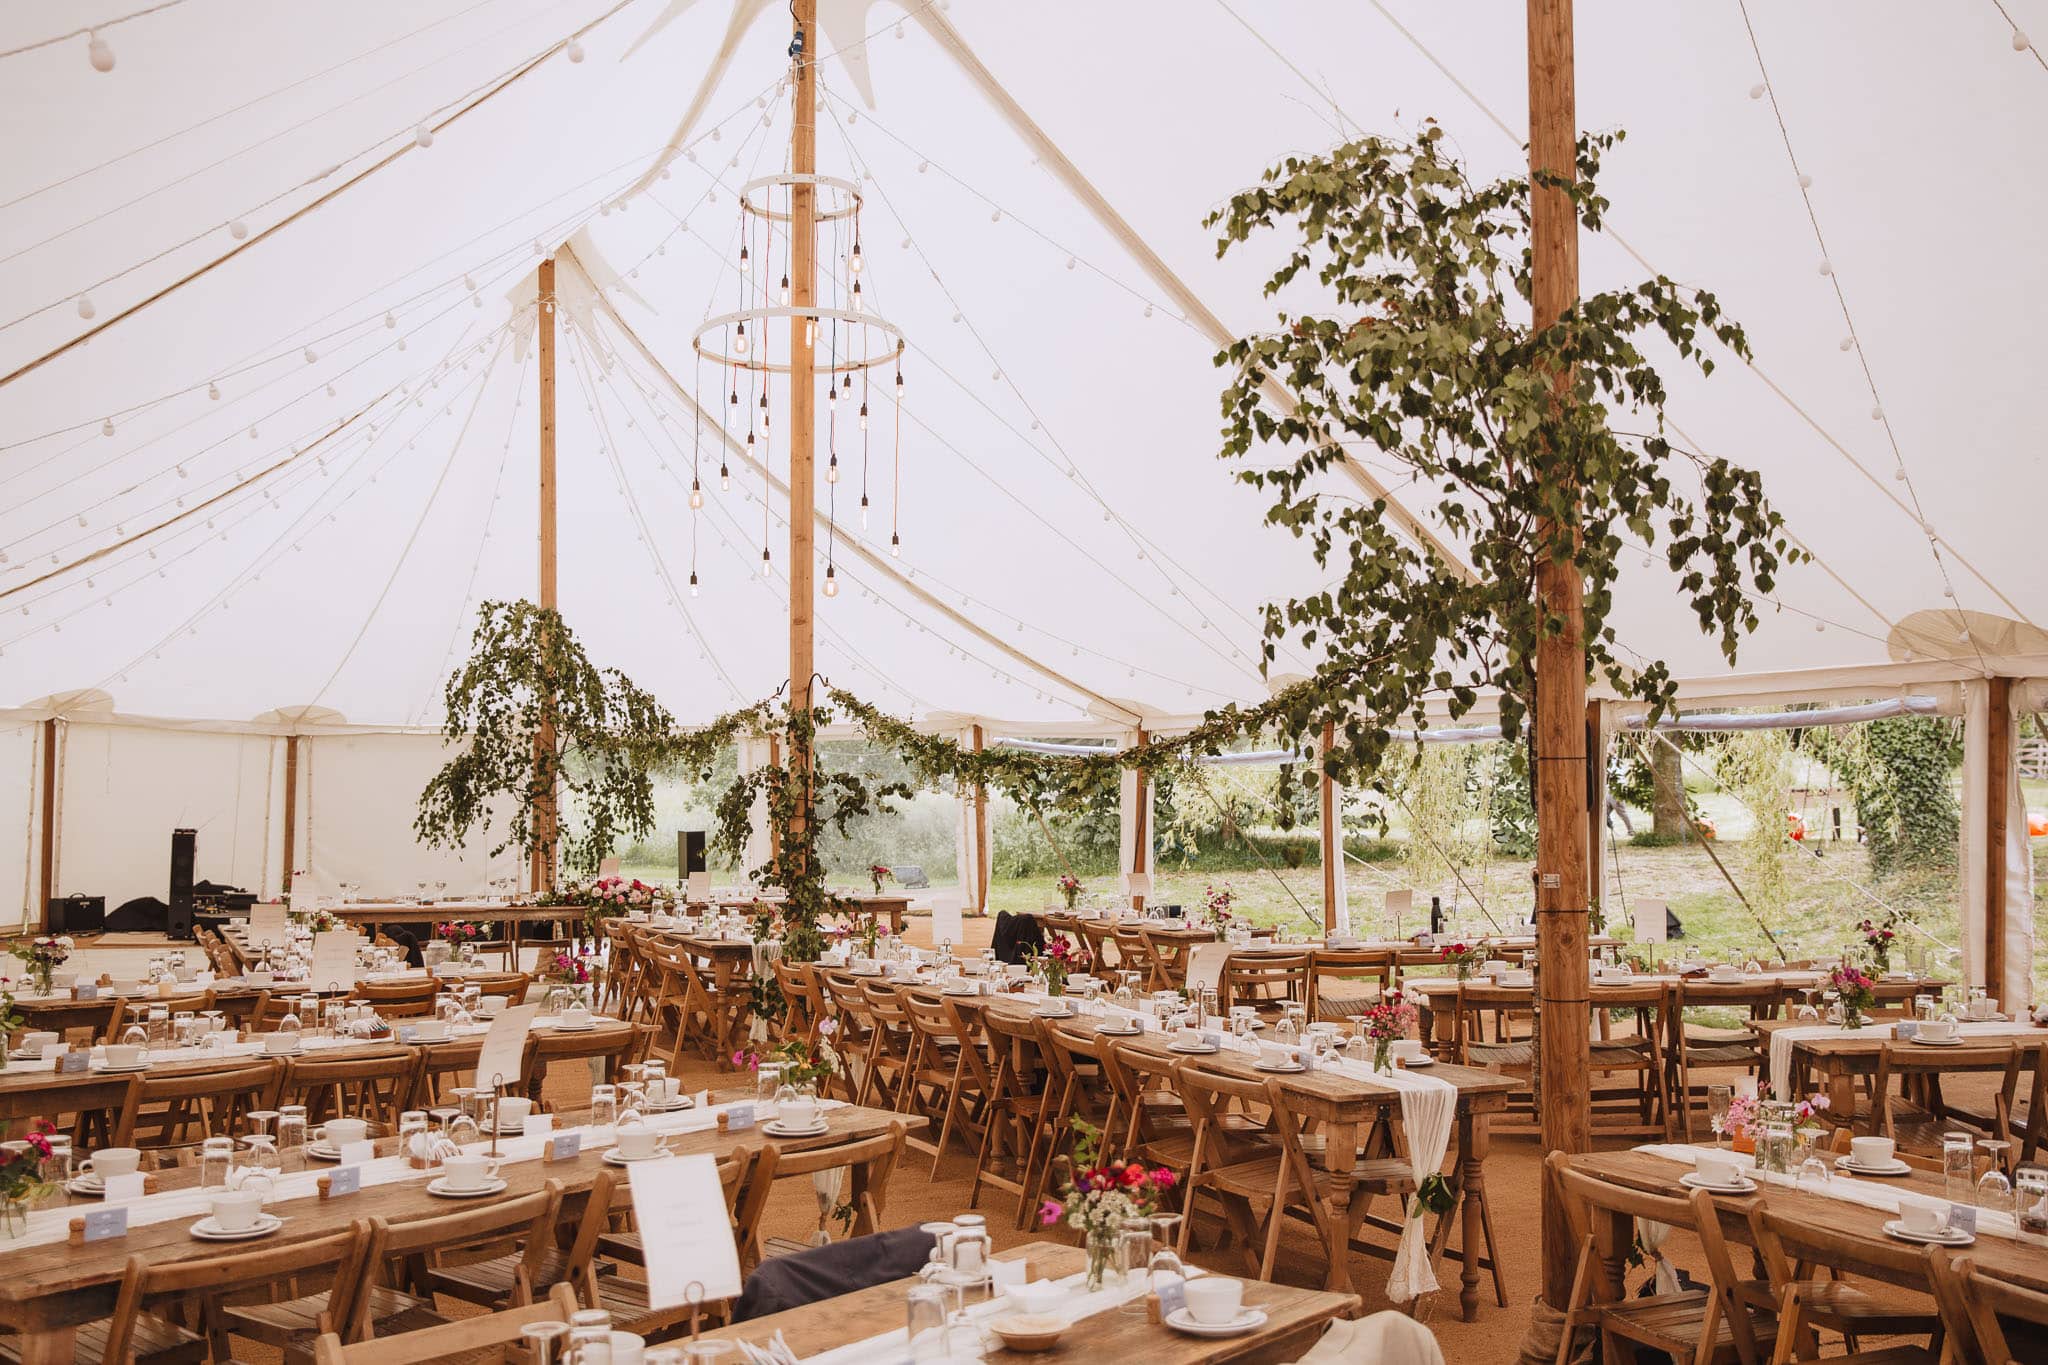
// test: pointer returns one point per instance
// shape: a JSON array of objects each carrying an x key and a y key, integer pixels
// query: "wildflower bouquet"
[
  {"x": 21, "y": 1168},
  {"x": 1099, "y": 1196},
  {"x": 1878, "y": 939},
  {"x": 879, "y": 873},
  {"x": 1385, "y": 1022},
  {"x": 43, "y": 956},
  {"x": 458, "y": 931},
  {"x": 1070, "y": 888},
  {"x": 1216, "y": 903},
  {"x": 573, "y": 968},
  {"x": 1464, "y": 958},
  {"x": 1057, "y": 961},
  {"x": 804, "y": 1064},
  {"x": 1857, "y": 992}
]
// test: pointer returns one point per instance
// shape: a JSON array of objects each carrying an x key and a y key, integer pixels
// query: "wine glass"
[
  {"x": 1719, "y": 1097},
  {"x": 541, "y": 1338},
  {"x": 1994, "y": 1187}
]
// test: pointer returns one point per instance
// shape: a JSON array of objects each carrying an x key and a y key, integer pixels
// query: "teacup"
[
  {"x": 109, "y": 1162},
  {"x": 236, "y": 1210},
  {"x": 575, "y": 1017},
  {"x": 1272, "y": 1054},
  {"x": 430, "y": 1030},
  {"x": 1937, "y": 1030},
  {"x": 1925, "y": 1217},
  {"x": 627, "y": 1349},
  {"x": 34, "y": 1043},
  {"x": 1871, "y": 1153},
  {"x": 1408, "y": 1050},
  {"x": 1189, "y": 1038},
  {"x": 637, "y": 1141},
  {"x": 1516, "y": 980},
  {"x": 468, "y": 1171},
  {"x": 341, "y": 1132},
  {"x": 800, "y": 1113},
  {"x": 1214, "y": 1299},
  {"x": 63, "y": 981},
  {"x": 261, "y": 978},
  {"x": 513, "y": 1111},
  {"x": 1716, "y": 1168},
  {"x": 126, "y": 1054},
  {"x": 275, "y": 1043},
  {"x": 1724, "y": 973},
  {"x": 491, "y": 1005}
]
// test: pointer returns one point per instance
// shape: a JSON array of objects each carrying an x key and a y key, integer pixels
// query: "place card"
[
  {"x": 86, "y": 990},
  {"x": 1172, "y": 1295},
  {"x": 1962, "y": 1218},
  {"x": 356, "y": 1153},
  {"x": 1905, "y": 1030},
  {"x": 52, "y": 1051},
  {"x": 737, "y": 1117},
  {"x": 124, "y": 1187},
  {"x": 538, "y": 1125},
  {"x": 685, "y": 1231},
  {"x": 1212, "y": 1039},
  {"x": 406, "y": 1033},
  {"x": 503, "y": 1053},
  {"x": 74, "y": 1063},
  {"x": 342, "y": 1180},
  {"x": 563, "y": 1146},
  {"x": 102, "y": 1224}
]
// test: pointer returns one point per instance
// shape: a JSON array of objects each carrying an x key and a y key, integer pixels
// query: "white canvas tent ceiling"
[{"x": 1060, "y": 490}]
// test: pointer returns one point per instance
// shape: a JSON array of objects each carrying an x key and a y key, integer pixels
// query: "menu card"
[
  {"x": 334, "y": 957},
  {"x": 946, "y": 926},
  {"x": 266, "y": 923},
  {"x": 1399, "y": 904},
  {"x": 685, "y": 1232},
  {"x": 1205, "y": 966},
  {"x": 504, "y": 1047},
  {"x": 1649, "y": 921}
]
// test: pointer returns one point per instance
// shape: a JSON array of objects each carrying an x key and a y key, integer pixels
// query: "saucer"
[
  {"x": 1247, "y": 1320},
  {"x": 1692, "y": 1181},
  {"x": 1953, "y": 1237},
  {"x": 1424, "y": 1060},
  {"x": 1283, "y": 1068},
  {"x": 439, "y": 1188},
  {"x": 121, "y": 1070},
  {"x": 559, "y": 1027},
  {"x": 1938, "y": 1042},
  {"x": 1045, "y": 1013},
  {"x": 1120, "y": 1030},
  {"x": 323, "y": 1151},
  {"x": 1198, "y": 1048},
  {"x": 614, "y": 1157},
  {"x": 510, "y": 1129},
  {"x": 86, "y": 1187},
  {"x": 1848, "y": 1166},
  {"x": 206, "y": 1230},
  {"x": 670, "y": 1106},
  {"x": 777, "y": 1128}
]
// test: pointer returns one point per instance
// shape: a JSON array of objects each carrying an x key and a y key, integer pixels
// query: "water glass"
[
  {"x": 925, "y": 1322},
  {"x": 57, "y": 1165},
  {"x": 1133, "y": 1257},
  {"x": 1958, "y": 1168},
  {"x": 291, "y": 1134},
  {"x": 216, "y": 1157},
  {"x": 2030, "y": 1192},
  {"x": 604, "y": 1105},
  {"x": 1719, "y": 1097},
  {"x": 1994, "y": 1187},
  {"x": 541, "y": 1340}
]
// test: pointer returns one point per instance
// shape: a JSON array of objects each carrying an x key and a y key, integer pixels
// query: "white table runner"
[{"x": 1074, "y": 1304}]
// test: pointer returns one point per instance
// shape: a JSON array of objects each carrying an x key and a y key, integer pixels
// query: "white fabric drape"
[
  {"x": 2016, "y": 990},
  {"x": 1429, "y": 1106},
  {"x": 1129, "y": 808},
  {"x": 971, "y": 854},
  {"x": 754, "y": 753},
  {"x": 1385, "y": 1338}
]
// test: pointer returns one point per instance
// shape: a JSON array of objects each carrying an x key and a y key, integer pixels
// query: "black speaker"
[
  {"x": 76, "y": 914},
  {"x": 184, "y": 852},
  {"x": 690, "y": 850}
]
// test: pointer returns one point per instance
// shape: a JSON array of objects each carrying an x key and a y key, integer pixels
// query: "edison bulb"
[
  {"x": 213, "y": 391},
  {"x": 746, "y": 264},
  {"x": 785, "y": 291},
  {"x": 99, "y": 53},
  {"x": 810, "y": 333},
  {"x": 696, "y": 494},
  {"x": 724, "y": 479},
  {"x": 895, "y": 546},
  {"x": 831, "y": 583},
  {"x": 856, "y": 297},
  {"x": 832, "y": 470},
  {"x": 739, "y": 344},
  {"x": 863, "y": 416},
  {"x": 423, "y": 136},
  {"x": 85, "y": 308},
  {"x": 854, "y": 262},
  {"x": 693, "y": 585},
  {"x": 863, "y": 511}
]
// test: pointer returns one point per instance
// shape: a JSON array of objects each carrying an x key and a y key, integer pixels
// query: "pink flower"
[
  {"x": 1163, "y": 1178},
  {"x": 828, "y": 1027},
  {"x": 1050, "y": 1212}
]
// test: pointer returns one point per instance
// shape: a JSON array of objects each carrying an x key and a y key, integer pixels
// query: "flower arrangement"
[
  {"x": 1811, "y": 1108},
  {"x": 879, "y": 873},
  {"x": 1098, "y": 1196},
  {"x": 1058, "y": 960},
  {"x": 1857, "y": 992},
  {"x": 803, "y": 1063},
  {"x": 458, "y": 931},
  {"x": 865, "y": 932},
  {"x": 573, "y": 968},
  {"x": 1216, "y": 903},
  {"x": 21, "y": 1176},
  {"x": 1464, "y": 958},
  {"x": 1878, "y": 939},
  {"x": 317, "y": 921},
  {"x": 43, "y": 956},
  {"x": 1739, "y": 1123},
  {"x": 1385, "y": 1022},
  {"x": 1070, "y": 888},
  {"x": 608, "y": 896}
]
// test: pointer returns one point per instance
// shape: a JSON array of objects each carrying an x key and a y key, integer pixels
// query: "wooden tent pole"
[
  {"x": 1596, "y": 807},
  {"x": 803, "y": 495},
  {"x": 291, "y": 809},
  {"x": 1997, "y": 777},
  {"x": 46, "y": 874},
  {"x": 980, "y": 833},
  {"x": 1141, "y": 835},
  {"x": 547, "y": 822},
  {"x": 1560, "y": 719},
  {"x": 1333, "y": 841}
]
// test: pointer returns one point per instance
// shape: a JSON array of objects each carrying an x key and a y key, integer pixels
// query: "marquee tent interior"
[{"x": 332, "y": 217}]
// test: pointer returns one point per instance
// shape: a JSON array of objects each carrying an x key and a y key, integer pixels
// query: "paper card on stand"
[
  {"x": 699, "y": 888},
  {"x": 564, "y": 1146},
  {"x": 1399, "y": 904},
  {"x": 946, "y": 926},
  {"x": 738, "y": 1117},
  {"x": 266, "y": 923},
  {"x": 345, "y": 1179},
  {"x": 121, "y": 1188},
  {"x": 504, "y": 1047},
  {"x": 72, "y": 1063},
  {"x": 1205, "y": 966},
  {"x": 1649, "y": 921},
  {"x": 538, "y": 1125},
  {"x": 103, "y": 1223},
  {"x": 52, "y": 1051},
  {"x": 299, "y": 894},
  {"x": 685, "y": 1231},
  {"x": 334, "y": 957}
]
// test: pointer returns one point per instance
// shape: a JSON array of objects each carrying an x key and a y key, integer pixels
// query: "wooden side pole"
[
  {"x": 803, "y": 493},
  {"x": 1141, "y": 835},
  {"x": 291, "y": 811},
  {"x": 1997, "y": 777},
  {"x": 1560, "y": 719},
  {"x": 980, "y": 832},
  {"x": 46, "y": 874},
  {"x": 547, "y": 820},
  {"x": 1596, "y": 808},
  {"x": 1333, "y": 839}
]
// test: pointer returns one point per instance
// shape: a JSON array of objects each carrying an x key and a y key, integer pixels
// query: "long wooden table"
[
  {"x": 1343, "y": 1108},
  {"x": 46, "y": 1292},
  {"x": 1844, "y": 1055},
  {"x": 1654, "y": 1174},
  {"x": 1294, "y": 1318}
]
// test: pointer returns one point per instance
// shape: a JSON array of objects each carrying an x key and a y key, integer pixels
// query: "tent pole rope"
[
  {"x": 1719, "y": 866},
  {"x": 1416, "y": 827}
]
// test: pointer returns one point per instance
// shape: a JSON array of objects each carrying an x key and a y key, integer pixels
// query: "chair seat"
[
  {"x": 297, "y": 1321},
  {"x": 1841, "y": 1306},
  {"x": 1336, "y": 1007},
  {"x": 1731, "y": 1054},
  {"x": 626, "y": 1301},
  {"x": 1673, "y": 1322},
  {"x": 490, "y": 1283},
  {"x": 1500, "y": 1054},
  {"x": 154, "y": 1342},
  {"x": 1701, "y": 1033},
  {"x": 1629, "y": 1050}
]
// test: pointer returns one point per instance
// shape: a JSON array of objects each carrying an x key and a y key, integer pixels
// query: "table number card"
[
  {"x": 699, "y": 890},
  {"x": 334, "y": 957},
  {"x": 52, "y": 1051},
  {"x": 1649, "y": 921},
  {"x": 738, "y": 1117},
  {"x": 1399, "y": 905},
  {"x": 74, "y": 1063},
  {"x": 686, "y": 1234},
  {"x": 301, "y": 895},
  {"x": 104, "y": 1223},
  {"x": 86, "y": 990},
  {"x": 504, "y": 1047},
  {"x": 564, "y": 1146},
  {"x": 344, "y": 1179},
  {"x": 266, "y": 923}
]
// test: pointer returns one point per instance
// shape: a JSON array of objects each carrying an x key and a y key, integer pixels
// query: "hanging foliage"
[
  {"x": 1441, "y": 795},
  {"x": 1755, "y": 768},
  {"x": 1433, "y": 366},
  {"x": 1897, "y": 772},
  {"x": 531, "y": 716}
]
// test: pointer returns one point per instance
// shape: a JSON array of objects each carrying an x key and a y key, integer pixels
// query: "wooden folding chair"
[
  {"x": 377, "y": 1087},
  {"x": 1019, "y": 1102},
  {"x": 1268, "y": 982},
  {"x": 1710, "y": 1326},
  {"x": 195, "y": 1105},
  {"x": 1793, "y": 1249},
  {"x": 847, "y": 1006},
  {"x": 1346, "y": 982},
  {"x": 133, "y": 1334},
  {"x": 868, "y": 1163},
  {"x": 397, "y": 1253},
  {"x": 890, "y": 1041},
  {"x": 1639, "y": 1055},
  {"x": 441, "y": 1065},
  {"x": 1079, "y": 1088},
  {"x": 1914, "y": 1113},
  {"x": 439, "y": 1342},
  {"x": 514, "y": 986},
  {"x": 1099, "y": 937},
  {"x": 803, "y": 999},
  {"x": 400, "y": 999},
  {"x": 947, "y": 1060},
  {"x": 1722, "y": 1049},
  {"x": 614, "y": 1045},
  {"x": 2009, "y": 1323},
  {"x": 1136, "y": 952}
]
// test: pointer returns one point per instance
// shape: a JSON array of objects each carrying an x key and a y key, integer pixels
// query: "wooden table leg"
[
  {"x": 1340, "y": 1156},
  {"x": 1472, "y": 1201}
]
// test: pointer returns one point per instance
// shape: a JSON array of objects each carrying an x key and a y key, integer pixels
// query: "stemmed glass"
[
  {"x": 1719, "y": 1097},
  {"x": 1994, "y": 1187},
  {"x": 541, "y": 1338},
  {"x": 1165, "y": 1259}
]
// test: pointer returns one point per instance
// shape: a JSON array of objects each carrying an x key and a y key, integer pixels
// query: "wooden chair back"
[
  {"x": 1266, "y": 980},
  {"x": 529, "y": 1218},
  {"x": 1585, "y": 1195},
  {"x": 514, "y": 986},
  {"x": 194, "y": 1105},
  {"x": 462, "y": 1338},
  {"x": 615, "y": 1045},
  {"x": 378, "y": 1086},
  {"x": 1136, "y": 953},
  {"x": 1470, "y": 1006},
  {"x": 1099, "y": 937},
  {"x": 241, "y": 1009},
  {"x": 868, "y": 1163},
  {"x": 1356, "y": 977},
  {"x": 400, "y": 999},
  {"x": 439, "y": 1062},
  {"x": 216, "y": 1277},
  {"x": 1911, "y": 1064},
  {"x": 803, "y": 998},
  {"x": 1986, "y": 1306}
]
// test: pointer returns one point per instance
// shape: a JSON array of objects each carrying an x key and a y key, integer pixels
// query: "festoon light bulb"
[
  {"x": 785, "y": 291},
  {"x": 98, "y": 52},
  {"x": 858, "y": 302},
  {"x": 854, "y": 261},
  {"x": 746, "y": 263},
  {"x": 696, "y": 493},
  {"x": 863, "y": 416},
  {"x": 237, "y": 229},
  {"x": 85, "y": 308},
  {"x": 693, "y": 582},
  {"x": 739, "y": 341},
  {"x": 423, "y": 136},
  {"x": 573, "y": 50},
  {"x": 213, "y": 392},
  {"x": 895, "y": 546},
  {"x": 832, "y": 468},
  {"x": 724, "y": 479},
  {"x": 831, "y": 582},
  {"x": 107, "y": 427},
  {"x": 863, "y": 511}
]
